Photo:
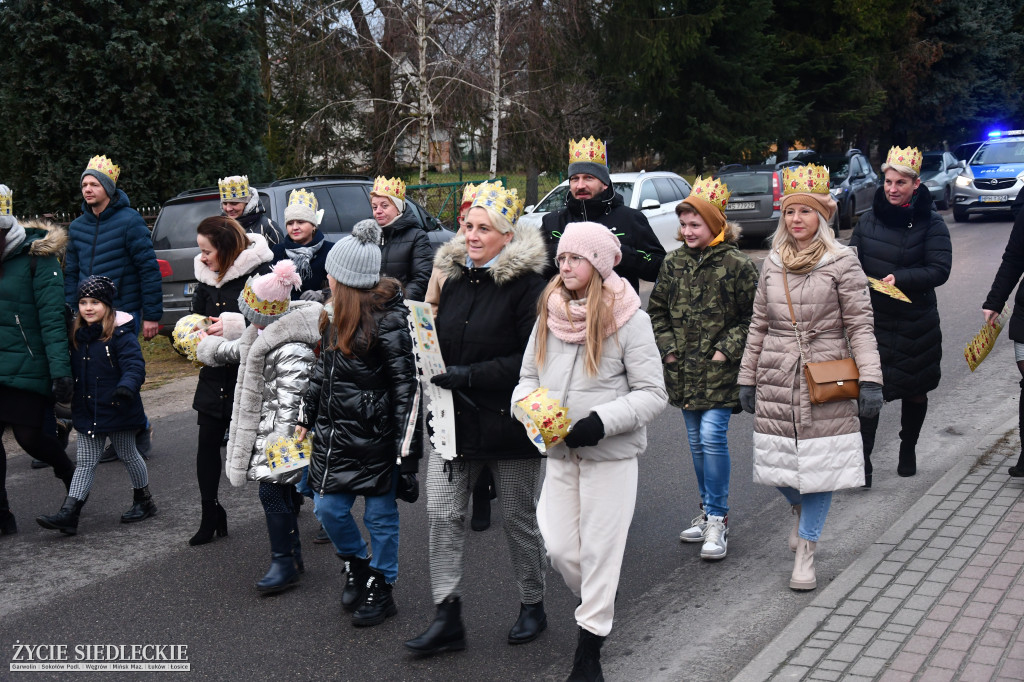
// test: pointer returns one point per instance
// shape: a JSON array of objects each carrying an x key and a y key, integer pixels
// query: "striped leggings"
[
  {"x": 90, "y": 448},
  {"x": 517, "y": 482}
]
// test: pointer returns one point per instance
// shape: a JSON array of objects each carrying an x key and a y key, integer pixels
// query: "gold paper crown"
[
  {"x": 284, "y": 454},
  {"x": 105, "y": 166},
  {"x": 301, "y": 197},
  {"x": 6, "y": 200},
  {"x": 390, "y": 187},
  {"x": 714, "y": 192},
  {"x": 495, "y": 197},
  {"x": 810, "y": 178},
  {"x": 589, "y": 149},
  {"x": 469, "y": 193},
  {"x": 187, "y": 334},
  {"x": 270, "y": 308},
  {"x": 547, "y": 419},
  {"x": 910, "y": 156},
  {"x": 234, "y": 189}
]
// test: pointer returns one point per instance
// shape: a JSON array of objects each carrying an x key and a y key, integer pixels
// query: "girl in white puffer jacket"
[{"x": 593, "y": 349}]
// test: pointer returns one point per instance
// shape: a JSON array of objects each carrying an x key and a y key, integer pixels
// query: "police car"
[{"x": 992, "y": 178}]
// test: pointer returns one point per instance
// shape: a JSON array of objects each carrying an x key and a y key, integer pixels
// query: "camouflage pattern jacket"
[{"x": 703, "y": 302}]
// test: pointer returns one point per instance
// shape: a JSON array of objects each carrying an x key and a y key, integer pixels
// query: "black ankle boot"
[
  {"x": 357, "y": 572},
  {"x": 66, "y": 520},
  {"x": 532, "y": 621},
  {"x": 586, "y": 664},
  {"x": 446, "y": 633},
  {"x": 911, "y": 422},
  {"x": 282, "y": 573},
  {"x": 143, "y": 506},
  {"x": 378, "y": 604},
  {"x": 214, "y": 522},
  {"x": 8, "y": 526}
]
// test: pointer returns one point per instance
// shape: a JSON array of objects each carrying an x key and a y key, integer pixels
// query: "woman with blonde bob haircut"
[{"x": 593, "y": 348}]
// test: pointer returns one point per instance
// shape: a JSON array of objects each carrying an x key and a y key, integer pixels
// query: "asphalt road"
[{"x": 678, "y": 618}]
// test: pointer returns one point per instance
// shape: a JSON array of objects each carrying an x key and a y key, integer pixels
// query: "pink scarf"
[{"x": 569, "y": 322}]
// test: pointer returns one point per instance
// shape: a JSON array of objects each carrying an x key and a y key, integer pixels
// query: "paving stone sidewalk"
[{"x": 938, "y": 597}]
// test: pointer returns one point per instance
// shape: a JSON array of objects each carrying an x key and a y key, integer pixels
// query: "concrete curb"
[{"x": 772, "y": 656}]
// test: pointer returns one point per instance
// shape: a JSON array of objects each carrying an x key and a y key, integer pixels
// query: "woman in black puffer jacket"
[
  {"x": 362, "y": 403},
  {"x": 405, "y": 248},
  {"x": 227, "y": 258},
  {"x": 903, "y": 241}
]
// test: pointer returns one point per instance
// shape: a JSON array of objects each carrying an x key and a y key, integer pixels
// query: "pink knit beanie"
[{"x": 594, "y": 242}]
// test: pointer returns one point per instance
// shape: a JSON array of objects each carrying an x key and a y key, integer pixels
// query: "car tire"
[
  {"x": 960, "y": 214},
  {"x": 846, "y": 218},
  {"x": 944, "y": 204}
]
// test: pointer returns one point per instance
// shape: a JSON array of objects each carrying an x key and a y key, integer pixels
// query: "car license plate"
[
  {"x": 740, "y": 206},
  {"x": 993, "y": 199},
  {"x": 190, "y": 288}
]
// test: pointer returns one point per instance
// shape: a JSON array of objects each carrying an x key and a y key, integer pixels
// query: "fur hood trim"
[
  {"x": 527, "y": 252},
  {"x": 256, "y": 253},
  {"x": 52, "y": 243}
]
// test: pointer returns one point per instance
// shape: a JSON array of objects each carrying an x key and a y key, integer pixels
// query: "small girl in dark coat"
[
  {"x": 305, "y": 245},
  {"x": 362, "y": 405},
  {"x": 108, "y": 370}
]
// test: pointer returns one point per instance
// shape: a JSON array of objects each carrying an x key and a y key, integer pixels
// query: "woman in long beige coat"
[{"x": 806, "y": 450}]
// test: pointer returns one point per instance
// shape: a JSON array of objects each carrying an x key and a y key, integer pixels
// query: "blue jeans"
[
  {"x": 709, "y": 446},
  {"x": 334, "y": 510},
  {"x": 813, "y": 510}
]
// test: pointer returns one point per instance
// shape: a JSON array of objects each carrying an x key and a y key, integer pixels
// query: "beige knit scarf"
[{"x": 802, "y": 262}]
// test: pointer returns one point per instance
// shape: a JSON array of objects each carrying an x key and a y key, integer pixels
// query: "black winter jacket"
[
  {"x": 256, "y": 221},
  {"x": 484, "y": 320},
  {"x": 215, "y": 390},
  {"x": 1007, "y": 277},
  {"x": 363, "y": 408},
  {"x": 642, "y": 253},
  {"x": 406, "y": 255},
  {"x": 912, "y": 244},
  {"x": 99, "y": 368},
  {"x": 316, "y": 280}
]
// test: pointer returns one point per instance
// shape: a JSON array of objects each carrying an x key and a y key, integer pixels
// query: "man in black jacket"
[
  {"x": 591, "y": 197},
  {"x": 242, "y": 203}
]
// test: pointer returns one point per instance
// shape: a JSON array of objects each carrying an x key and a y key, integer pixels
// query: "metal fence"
[{"x": 64, "y": 218}]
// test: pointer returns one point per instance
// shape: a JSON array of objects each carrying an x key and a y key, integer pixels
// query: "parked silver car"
[
  {"x": 938, "y": 173},
  {"x": 655, "y": 194}
]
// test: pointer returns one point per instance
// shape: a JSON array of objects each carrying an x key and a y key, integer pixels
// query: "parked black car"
[
  {"x": 345, "y": 200},
  {"x": 755, "y": 193},
  {"x": 853, "y": 183}
]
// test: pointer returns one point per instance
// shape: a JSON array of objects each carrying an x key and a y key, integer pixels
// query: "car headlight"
[
  {"x": 963, "y": 181},
  {"x": 836, "y": 192}
]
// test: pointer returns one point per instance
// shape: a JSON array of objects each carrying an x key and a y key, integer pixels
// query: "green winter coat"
[
  {"x": 702, "y": 302},
  {"x": 33, "y": 331}
]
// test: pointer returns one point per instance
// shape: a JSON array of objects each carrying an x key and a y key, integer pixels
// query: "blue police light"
[{"x": 995, "y": 133}]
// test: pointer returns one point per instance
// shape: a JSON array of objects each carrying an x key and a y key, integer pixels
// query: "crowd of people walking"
[{"x": 309, "y": 375}]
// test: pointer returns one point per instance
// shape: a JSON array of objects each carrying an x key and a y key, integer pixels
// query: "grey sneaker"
[
  {"x": 716, "y": 539},
  {"x": 695, "y": 533}
]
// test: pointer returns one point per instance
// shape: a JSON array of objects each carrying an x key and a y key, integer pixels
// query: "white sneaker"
[
  {"x": 695, "y": 533},
  {"x": 716, "y": 539}
]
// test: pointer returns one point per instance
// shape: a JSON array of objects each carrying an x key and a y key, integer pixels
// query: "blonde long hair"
[{"x": 599, "y": 319}]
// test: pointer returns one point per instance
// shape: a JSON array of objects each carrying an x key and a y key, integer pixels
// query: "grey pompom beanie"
[{"x": 355, "y": 260}]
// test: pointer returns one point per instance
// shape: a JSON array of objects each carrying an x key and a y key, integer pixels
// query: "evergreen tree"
[{"x": 168, "y": 89}]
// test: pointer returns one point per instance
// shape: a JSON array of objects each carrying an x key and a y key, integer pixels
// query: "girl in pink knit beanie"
[{"x": 593, "y": 349}]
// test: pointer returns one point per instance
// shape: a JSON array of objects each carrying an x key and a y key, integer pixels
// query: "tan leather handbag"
[{"x": 832, "y": 380}]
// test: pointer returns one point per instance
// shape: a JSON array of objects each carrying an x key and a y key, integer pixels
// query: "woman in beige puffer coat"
[{"x": 808, "y": 450}]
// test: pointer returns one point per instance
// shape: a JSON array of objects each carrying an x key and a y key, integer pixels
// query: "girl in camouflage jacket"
[{"x": 700, "y": 309}]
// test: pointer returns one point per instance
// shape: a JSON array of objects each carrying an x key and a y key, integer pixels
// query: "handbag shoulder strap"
[
  {"x": 792, "y": 315},
  {"x": 842, "y": 318}
]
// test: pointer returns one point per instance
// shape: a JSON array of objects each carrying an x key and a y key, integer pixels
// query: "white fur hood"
[
  {"x": 526, "y": 252},
  {"x": 257, "y": 252}
]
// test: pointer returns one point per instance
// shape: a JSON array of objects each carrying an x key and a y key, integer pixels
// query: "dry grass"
[{"x": 163, "y": 364}]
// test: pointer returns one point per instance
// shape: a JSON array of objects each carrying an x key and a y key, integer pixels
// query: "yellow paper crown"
[
  {"x": 550, "y": 419},
  {"x": 284, "y": 454},
  {"x": 499, "y": 199},
  {"x": 187, "y": 334},
  {"x": 271, "y": 307},
  {"x": 469, "y": 193},
  {"x": 105, "y": 166},
  {"x": 713, "y": 191},
  {"x": 588, "y": 149},
  {"x": 6, "y": 200},
  {"x": 390, "y": 187},
  {"x": 301, "y": 197},
  {"x": 234, "y": 188},
  {"x": 910, "y": 156},
  {"x": 810, "y": 178}
]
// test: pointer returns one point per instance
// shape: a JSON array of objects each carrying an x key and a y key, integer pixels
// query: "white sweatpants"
[{"x": 584, "y": 514}]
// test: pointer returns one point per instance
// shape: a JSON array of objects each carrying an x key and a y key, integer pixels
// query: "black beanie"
[{"x": 99, "y": 287}]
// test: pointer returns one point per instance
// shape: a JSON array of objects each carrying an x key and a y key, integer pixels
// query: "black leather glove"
[
  {"x": 454, "y": 377},
  {"x": 586, "y": 433},
  {"x": 408, "y": 489},
  {"x": 747, "y": 398},
  {"x": 870, "y": 400},
  {"x": 63, "y": 389},
  {"x": 123, "y": 394}
]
